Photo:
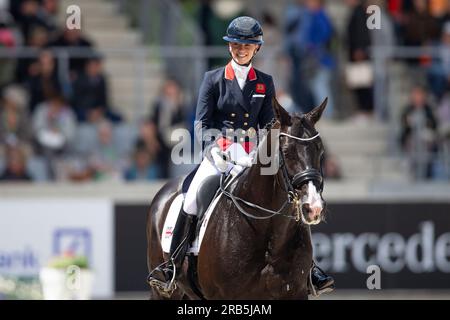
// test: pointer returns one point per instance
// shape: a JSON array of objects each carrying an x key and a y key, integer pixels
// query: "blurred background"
[{"x": 86, "y": 117}]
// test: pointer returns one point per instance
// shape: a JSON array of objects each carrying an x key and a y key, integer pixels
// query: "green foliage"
[
  {"x": 20, "y": 288},
  {"x": 66, "y": 260}
]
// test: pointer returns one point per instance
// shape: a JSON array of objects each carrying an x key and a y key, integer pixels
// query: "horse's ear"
[
  {"x": 281, "y": 114},
  {"x": 315, "y": 114}
]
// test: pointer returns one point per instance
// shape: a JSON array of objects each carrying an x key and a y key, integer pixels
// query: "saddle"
[{"x": 208, "y": 190}]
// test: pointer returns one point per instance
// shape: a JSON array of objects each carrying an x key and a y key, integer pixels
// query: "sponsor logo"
[
  {"x": 18, "y": 261},
  {"x": 421, "y": 252},
  {"x": 168, "y": 233},
  {"x": 77, "y": 241}
]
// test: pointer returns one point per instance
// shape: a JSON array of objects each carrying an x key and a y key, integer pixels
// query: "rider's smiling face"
[{"x": 242, "y": 53}]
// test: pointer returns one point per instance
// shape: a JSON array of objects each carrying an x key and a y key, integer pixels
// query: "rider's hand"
[
  {"x": 219, "y": 160},
  {"x": 245, "y": 162}
]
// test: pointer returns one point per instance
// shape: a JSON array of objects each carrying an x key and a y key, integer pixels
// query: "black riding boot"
[
  {"x": 181, "y": 238},
  {"x": 182, "y": 233},
  {"x": 321, "y": 282}
]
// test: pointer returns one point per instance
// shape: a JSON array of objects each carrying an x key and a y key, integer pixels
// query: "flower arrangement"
[
  {"x": 67, "y": 276},
  {"x": 68, "y": 259}
]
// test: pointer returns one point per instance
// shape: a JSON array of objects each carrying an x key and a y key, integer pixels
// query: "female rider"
[{"x": 233, "y": 101}]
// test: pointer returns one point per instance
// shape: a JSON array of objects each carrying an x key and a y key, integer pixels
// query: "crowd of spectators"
[
  {"x": 56, "y": 126},
  {"x": 424, "y": 122},
  {"x": 310, "y": 35}
]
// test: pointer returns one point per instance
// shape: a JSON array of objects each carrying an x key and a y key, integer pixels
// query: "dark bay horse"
[{"x": 243, "y": 255}]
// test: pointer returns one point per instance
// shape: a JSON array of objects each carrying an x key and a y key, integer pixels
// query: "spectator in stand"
[
  {"x": 14, "y": 8},
  {"x": 319, "y": 32},
  {"x": 418, "y": 133},
  {"x": 285, "y": 100},
  {"x": 30, "y": 18},
  {"x": 396, "y": 12},
  {"x": 331, "y": 168},
  {"x": 49, "y": 12},
  {"x": 204, "y": 16},
  {"x": 9, "y": 38},
  {"x": 73, "y": 39},
  {"x": 43, "y": 82},
  {"x": 143, "y": 167},
  {"x": 54, "y": 127},
  {"x": 149, "y": 137},
  {"x": 169, "y": 113},
  {"x": 27, "y": 67},
  {"x": 438, "y": 9},
  {"x": 15, "y": 169},
  {"x": 420, "y": 28},
  {"x": 386, "y": 35},
  {"x": 100, "y": 160},
  {"x": 105, "y": 160},
  {"x": 14, "y": 125},
  {"x": 90, "y": 93},
  {"x": 443, "y": 114},
  {"x": 359, "y": 42},
  {"x": 438, "y": 73},
  {"x": 295, "y": 46}
]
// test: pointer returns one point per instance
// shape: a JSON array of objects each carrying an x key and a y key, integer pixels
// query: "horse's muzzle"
[{"x": 311, "y": 214}]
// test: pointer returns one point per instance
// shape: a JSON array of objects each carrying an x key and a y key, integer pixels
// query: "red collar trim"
[
  {"x": 229, "y": 72},
  {"x": 251, "y": 74}
]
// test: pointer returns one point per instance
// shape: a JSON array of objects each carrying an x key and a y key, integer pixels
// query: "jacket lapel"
[
  {"x": 249, "y": 87},
  {"x": 233, "y": 87},
  {"x": 239, "y": 95}
]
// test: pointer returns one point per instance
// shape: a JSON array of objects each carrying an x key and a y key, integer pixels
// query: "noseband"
[{"x": 290, "y": 185}]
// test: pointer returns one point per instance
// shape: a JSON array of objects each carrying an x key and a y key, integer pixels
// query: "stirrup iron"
[{"x": 166, "y": 289}]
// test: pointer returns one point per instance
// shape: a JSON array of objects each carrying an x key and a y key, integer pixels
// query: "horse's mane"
[
  {"x": 266, "y": 130},
  {"x": 270, "y": 124}
]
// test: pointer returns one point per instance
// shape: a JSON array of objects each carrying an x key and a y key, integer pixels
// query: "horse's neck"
[
  {"x": 280, "y": 231},
  {"x": 263, "y": 182}
]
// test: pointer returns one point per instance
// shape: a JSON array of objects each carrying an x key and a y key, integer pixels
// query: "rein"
[{"x": 292, "y": 196}]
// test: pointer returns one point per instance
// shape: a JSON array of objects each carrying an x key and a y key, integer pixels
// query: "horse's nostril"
[{"x": 306, "y": 208}]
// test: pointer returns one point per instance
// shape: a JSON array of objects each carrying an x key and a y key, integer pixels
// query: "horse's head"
[{"x": 301, "y": 150}]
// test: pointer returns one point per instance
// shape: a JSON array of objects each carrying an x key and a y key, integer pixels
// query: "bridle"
[
  {"x": 290, "y": 186},
  {"x": 306, "y": 175}
]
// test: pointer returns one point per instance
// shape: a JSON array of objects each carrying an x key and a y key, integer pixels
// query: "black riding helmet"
[{"x": 244, "y": 30}]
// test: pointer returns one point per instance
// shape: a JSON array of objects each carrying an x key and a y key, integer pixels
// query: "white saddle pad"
[{"x": 171, "y": 219}]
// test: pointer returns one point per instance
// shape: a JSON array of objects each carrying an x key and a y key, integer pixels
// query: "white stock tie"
[{"x": 241, "y": 73}]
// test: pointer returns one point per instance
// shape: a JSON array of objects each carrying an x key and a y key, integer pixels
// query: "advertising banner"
[
  {"x": 408, "y": 244},
  {"x": 34, "y": 231}
]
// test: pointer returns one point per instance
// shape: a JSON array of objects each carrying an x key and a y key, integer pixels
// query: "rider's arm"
[{"x": 205, "y": 110}]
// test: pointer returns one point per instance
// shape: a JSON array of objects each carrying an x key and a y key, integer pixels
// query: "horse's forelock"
[{"x": 297, "y": 127}]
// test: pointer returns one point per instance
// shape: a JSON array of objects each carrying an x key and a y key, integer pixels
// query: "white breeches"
[{"x": 205, "y": 170}]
